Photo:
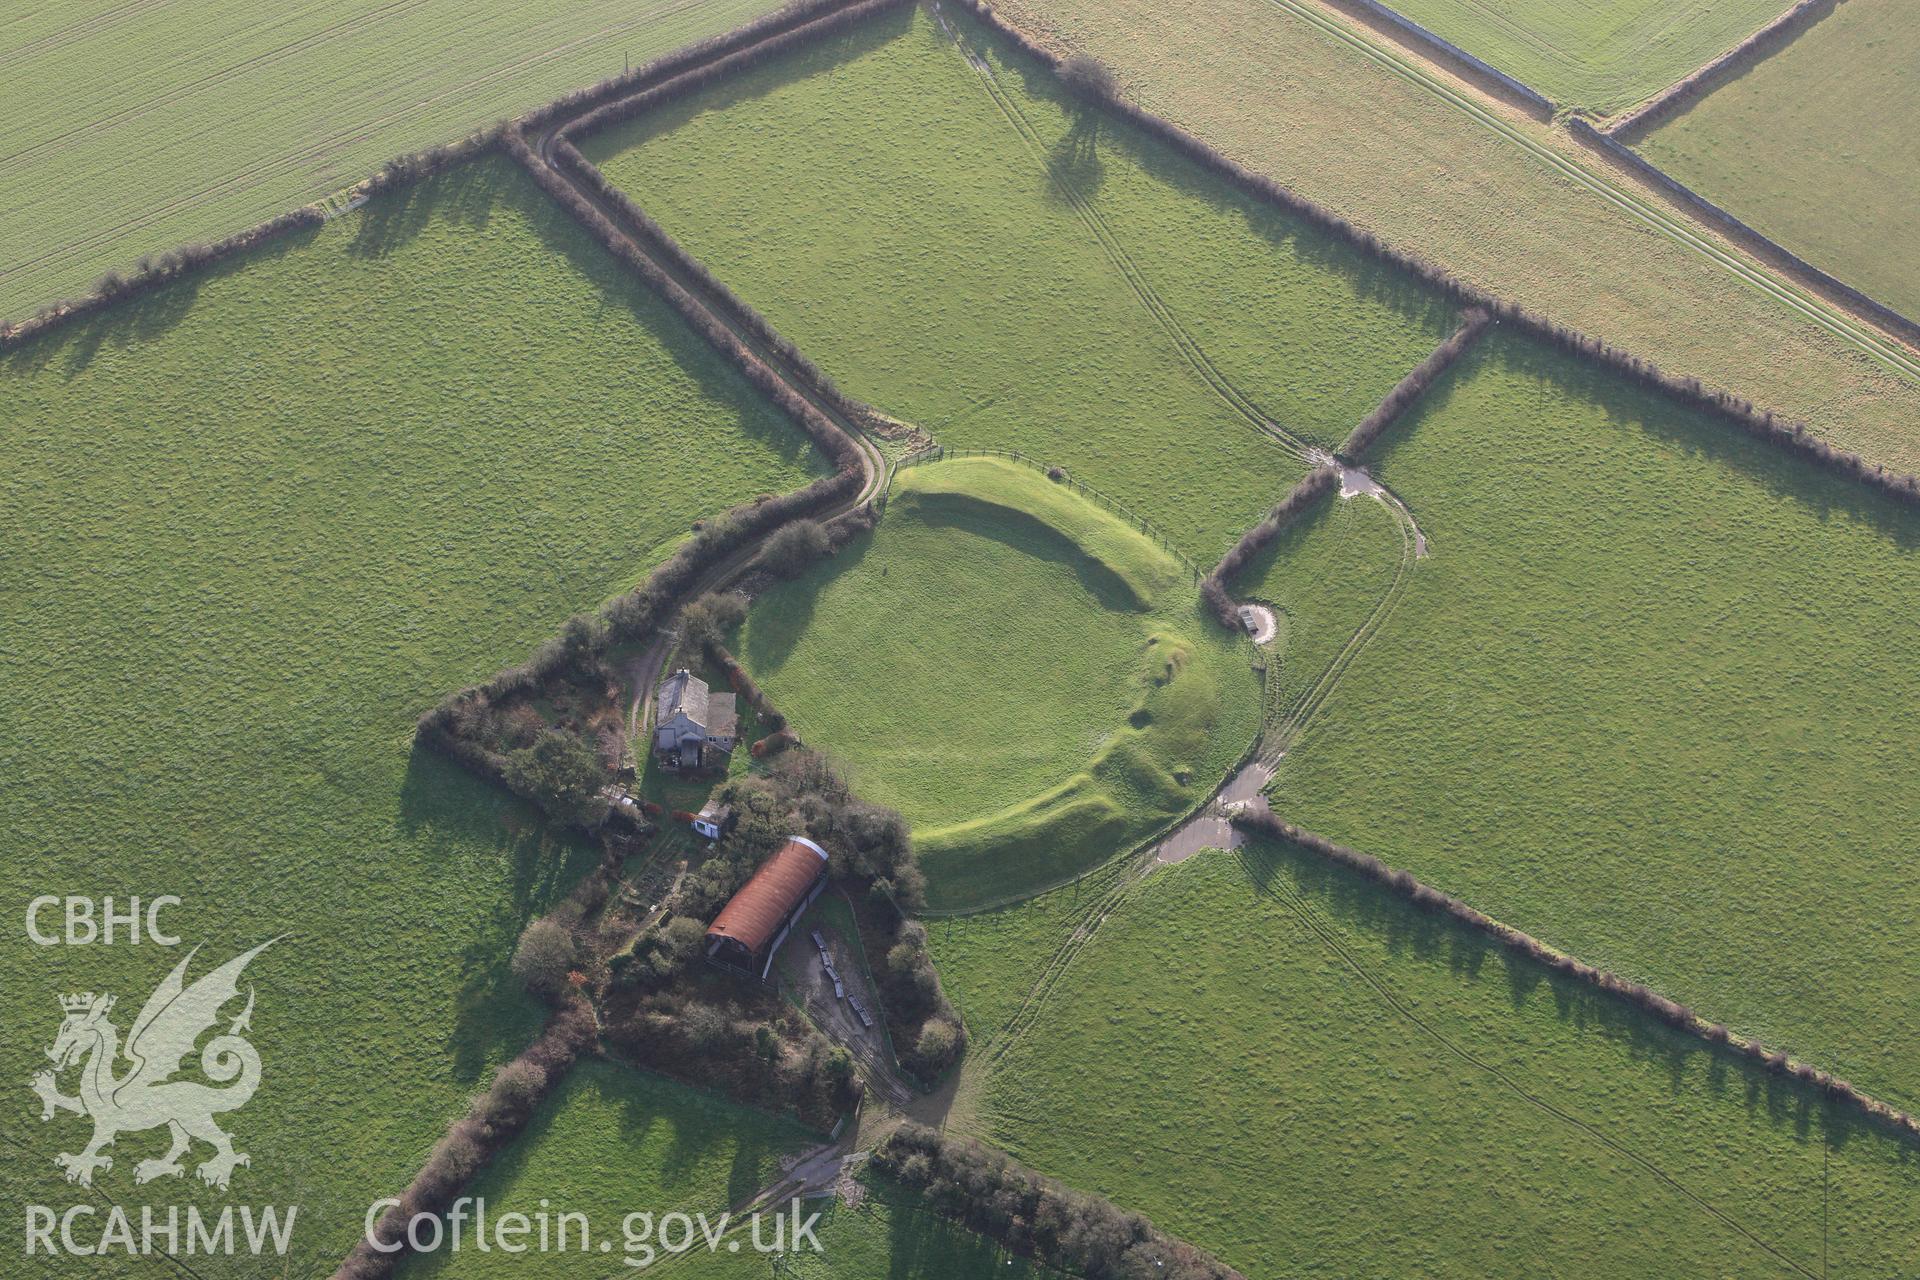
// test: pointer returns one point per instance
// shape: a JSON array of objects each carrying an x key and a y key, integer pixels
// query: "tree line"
[
  {"x": 672, "y": 64},
  {"x": 1073, "y": 1231},
  {"x": 1661, "y": 1008},
  {"x": 1410, "y": 388},
  {"x": 1213, "y": 587},
  {"x": 1683, "y": 93},
  {"x": 694, "y": 75}
]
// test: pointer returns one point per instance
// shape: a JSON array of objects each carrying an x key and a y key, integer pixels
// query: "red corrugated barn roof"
[{"x": 754, "y": 914}]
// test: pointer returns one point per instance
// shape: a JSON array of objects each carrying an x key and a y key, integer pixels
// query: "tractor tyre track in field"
[
  {"x": 1876, "y": 345},
  {"x": 1294, "y": 718},
  {"x": 1102, "y": 231},
  {"x": 1328, "y": 936}
]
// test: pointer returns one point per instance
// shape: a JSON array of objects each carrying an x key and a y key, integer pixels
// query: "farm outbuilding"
[
  {"x": 714, "y": 820},
  {"x": 756, "y": 920}
]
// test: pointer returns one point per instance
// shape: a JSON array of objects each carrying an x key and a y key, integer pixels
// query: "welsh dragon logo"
[{"x": 147, "y": 1096}]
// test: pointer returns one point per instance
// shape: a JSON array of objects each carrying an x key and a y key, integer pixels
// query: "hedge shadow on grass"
[
  {"x": 1630, "y": 407},
  {"x": 142, "y": 317},
  {"x": 748, "y": 84},
  {"x": 1411, "y": 934},
  {"x": 776, "y": 633},
  {"x": 444, "y": 807},
  {"x": 757, "y": 421},
  {"x": 464, "y": 193}
]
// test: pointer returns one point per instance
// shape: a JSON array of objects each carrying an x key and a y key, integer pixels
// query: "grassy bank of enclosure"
[
  {"x": 129, "y": 129},
  {"x": 1029, "y": 680},
  {"x": 1284, "y": 1065},
  {"x": 1646, "y": 658},
  {"x": 254, "y": 524},
  {"x": 962, "y": 247},
  {"x": 612, "y": 1142},
  {"x": 1396, "y": 159},
  {"x": 1601, "y": 57},
  {"x": 1817, "y": 146}
]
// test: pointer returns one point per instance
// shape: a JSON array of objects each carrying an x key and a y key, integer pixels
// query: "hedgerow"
[
  {"x": 1213, "y": 587},
  {"x": 1411, "y": 387},
  {"x": 1672, "y": 1012},
  {"x": 1072, "y": 1231}
]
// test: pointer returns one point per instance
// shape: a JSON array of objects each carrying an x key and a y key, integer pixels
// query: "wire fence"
[{"x": 1059, "y": 475}]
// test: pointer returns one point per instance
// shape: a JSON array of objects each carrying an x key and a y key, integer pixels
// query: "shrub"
[
  {"x": 543, "y": 957},
  {"x": 1068, "y": 1230},
  {"x": 1090, "y": 78},
  {"x": 793, "y": 547},
  {"x": 939, "y": 1042},
  {"x": 563, "y": 774},
  {"x": 706, "y": 622}
]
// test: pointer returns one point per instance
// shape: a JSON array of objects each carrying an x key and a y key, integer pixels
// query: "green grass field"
[
  {"x": 613, "y": 1142},
  {"x": 1326, "y": 575},
  {"x": 886, "y": 1236},
  {"x": 963, "y": 249},
  {"x": 1026, "y": 678},
  {"x": 1817, "y": 147},
  {"x": 253, "y": 526},
  {"x": 131, "y": 128},
  {"x": 1602, "y": 57},
  {"x": 1647, "y": 700},
  {"x": 1308, "y": 1077},
  {"x": 1393, "y": 156}
]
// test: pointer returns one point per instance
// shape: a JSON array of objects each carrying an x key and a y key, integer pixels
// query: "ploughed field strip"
[
  {"x": 1027, "y": 678},
  {"x": 1817, "y": 146},
  {"x": 954, "y": 241},
  {"x": 256, "y": 522},
  {"x": 1277, "y": 1061},
  {"x": 1647, "y": 700},
  {"x": 131, "y": 128},
  {"x": 1604, "y": 57}
]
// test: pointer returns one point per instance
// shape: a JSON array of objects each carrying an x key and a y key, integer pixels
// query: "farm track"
[
  {"x": 1292, "y": 720},
  {"x": 873, "y": 463},
  {"x": 1084, "y": 925},
  {"x": 1102, "y": 231},
  {"x": 1329, "y": 938},
  {"x": 1883, "y": 350},
  {"x": 1289, "y": 723}
]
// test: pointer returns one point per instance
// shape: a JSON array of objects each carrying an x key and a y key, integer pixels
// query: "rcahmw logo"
[{"x": 138, "y": 1086}]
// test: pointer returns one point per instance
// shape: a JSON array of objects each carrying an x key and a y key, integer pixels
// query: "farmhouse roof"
[
  {"x": 723, "y": 719},
  {"x": 684, "y": 691},
  {"x": 755, "y": 914}
]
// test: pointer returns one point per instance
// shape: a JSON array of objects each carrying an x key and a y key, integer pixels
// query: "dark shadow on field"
[
  {"x": 781, "y": 616},
  {"x": 1030, "y": 536},
  {"x": 464, "y": 195},
  {"x": 921, "y": 1243},
  {"x": 1372, "y": 279},
  {"x": 1676, "y": 427},
  {"x": 1073, "y": 166},
  {"x": 621, "y": 292},
  {"x": 1355, "y": 910},
  {"x": 756, "y": 1142},
  {"x": 71, "y": 348},
  {"x": 443, "y": 808}
]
